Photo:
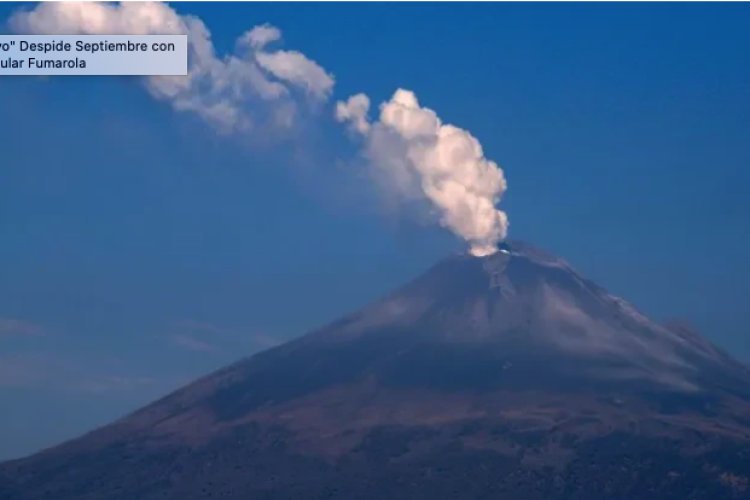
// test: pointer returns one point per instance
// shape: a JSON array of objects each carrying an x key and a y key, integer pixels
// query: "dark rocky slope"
[{"x": 509, "y": 376}]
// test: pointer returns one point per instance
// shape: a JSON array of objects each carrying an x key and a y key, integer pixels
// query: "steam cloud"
[
  {"x": 231, "y": 93},
  {"x": 419, "y": 155},
  {"x": 408, "y": 147}
]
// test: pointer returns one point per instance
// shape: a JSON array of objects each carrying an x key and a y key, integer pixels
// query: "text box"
[{"x": 94, "y": 55}]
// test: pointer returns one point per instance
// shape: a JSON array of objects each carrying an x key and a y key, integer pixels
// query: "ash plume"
[
  {"x": 260, "y": 88},
  {"x": 420, "y": 156}
]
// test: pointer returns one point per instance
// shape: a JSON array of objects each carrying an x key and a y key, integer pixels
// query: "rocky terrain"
[{"x": 508, "y": 376}]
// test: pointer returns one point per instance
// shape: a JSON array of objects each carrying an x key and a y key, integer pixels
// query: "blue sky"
[{"x": 141, "y": 249}]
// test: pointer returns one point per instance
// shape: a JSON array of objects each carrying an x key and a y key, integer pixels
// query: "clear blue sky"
[{"x": 139, "y": 250}]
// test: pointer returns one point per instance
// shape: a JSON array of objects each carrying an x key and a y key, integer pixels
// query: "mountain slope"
[{"x": 508, "y": 376}]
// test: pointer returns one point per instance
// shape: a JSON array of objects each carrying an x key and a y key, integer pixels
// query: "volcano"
[{"x": 508, "y": 376}]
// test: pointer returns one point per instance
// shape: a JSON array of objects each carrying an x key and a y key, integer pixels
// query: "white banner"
[{"x": 80, "y": 55}]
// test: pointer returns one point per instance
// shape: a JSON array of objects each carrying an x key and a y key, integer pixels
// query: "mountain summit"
[{"x": 506, "y": 376}]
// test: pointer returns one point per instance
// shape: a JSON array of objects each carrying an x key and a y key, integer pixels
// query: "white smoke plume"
[
  {"x": 259, "y": 86},
  {"x": 232, "y": 93},
  {"x": 418, "y": 155}
]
